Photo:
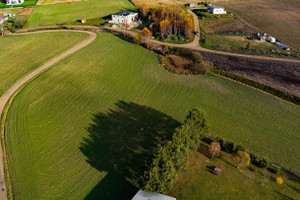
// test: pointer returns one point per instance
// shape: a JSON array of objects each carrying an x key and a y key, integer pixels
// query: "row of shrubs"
[
  {"x": 232, "y": 148},
  {"x": 171, "y": 157},
  {"x": 281, "y": 94}
]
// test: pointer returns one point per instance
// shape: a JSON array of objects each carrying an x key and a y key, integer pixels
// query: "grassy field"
[
  {"x": 44, "y": 15},
  {"x": 85, "y": 124},
  {"x": 25, "y": 4},
  {"x": 277, "y": 17},
  {"x": 23, "y": 53},
  {"x": 199, "y": 183}
]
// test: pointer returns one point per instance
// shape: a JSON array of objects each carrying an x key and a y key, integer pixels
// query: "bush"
[
  {"x": 253, "y": 168},
  {"x": 274, "y": 170},
  {"x": 263, "y": 163},
  {"x": 239, "y": 148},
  {"x": 279, "y": 180},
  {"x": 229, "y": 147}
]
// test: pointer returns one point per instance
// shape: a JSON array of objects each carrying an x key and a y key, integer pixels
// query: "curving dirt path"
[{"x": 9, "y": 93}]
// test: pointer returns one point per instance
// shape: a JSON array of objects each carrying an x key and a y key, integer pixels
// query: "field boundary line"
[{"x": 8, "y": 96}]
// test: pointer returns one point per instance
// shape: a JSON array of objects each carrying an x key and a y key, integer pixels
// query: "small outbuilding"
[
  {"x": 216, "y": 9},
  {"x": 83, "y": 20},
  {"x": 271, "y": 39},
  {"x": 217, "y": 170},
  {"x": 143, "y": 195},
  {"x": 190, "y": 5},
  {"x": 3, "y": 19}
]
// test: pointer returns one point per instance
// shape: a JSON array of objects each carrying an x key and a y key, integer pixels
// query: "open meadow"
[
  {"x": 22, "y": 54},
  {"x": 81, "y": 130},
  {"x": 199, "y": 183},
  {"x": 43, "y": 15}
]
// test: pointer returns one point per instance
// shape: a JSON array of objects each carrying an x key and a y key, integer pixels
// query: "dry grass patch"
[{"x": 52, "y": 2}]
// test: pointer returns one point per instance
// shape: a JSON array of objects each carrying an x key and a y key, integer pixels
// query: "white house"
[
  {"x": 14, "y": 2},
  {"x": 215, "y": 9},
  {"x": 191, "y": 5},
  {"x": 124, "y": 17},
  {"x": 143, "y": 195}
]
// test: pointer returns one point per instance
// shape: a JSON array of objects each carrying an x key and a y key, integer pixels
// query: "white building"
[
  {"x": 14, "y": 2},
  {"x": 271, "y": 39},
  {"x": 143, "y": 195},
  {"x": 124, "y": 17},
  {"x": 215, "y": 9}
]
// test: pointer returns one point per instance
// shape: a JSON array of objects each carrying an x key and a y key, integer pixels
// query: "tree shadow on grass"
[{"x": 120, "y": 143}]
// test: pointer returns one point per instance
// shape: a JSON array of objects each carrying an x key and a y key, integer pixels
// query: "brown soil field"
[
  {"x": 284, "y": 76},
  {"x": 18, "y": 11},
  {"x": 280, "y": 18},
  {"x": 228, "y": 25},
  {"x": 155, "y": 3}
]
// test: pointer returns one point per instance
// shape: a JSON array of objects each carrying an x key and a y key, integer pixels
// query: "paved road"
[{"x": 8, "y": 94}]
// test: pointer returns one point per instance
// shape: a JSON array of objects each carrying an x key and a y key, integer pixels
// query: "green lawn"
[
  {"x": 23, "y": 53},
  {"x": 44, "y": 15},
  {"x": 25, "y": 4},
  {"x": 73, "y": 132},
  {"x": 199, "y": 183}
]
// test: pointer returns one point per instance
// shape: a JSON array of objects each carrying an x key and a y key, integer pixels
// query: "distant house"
[
  {"x": 3, "y": 19},
  {"x": 143, "y": 195},
  {"x": 124, "y": 17},
  {"x": 14, "y": 2},
  {"x": 215, "y": 9},
  {"x": 9, "y": 14},
  {"x": 190, "y": 5}
]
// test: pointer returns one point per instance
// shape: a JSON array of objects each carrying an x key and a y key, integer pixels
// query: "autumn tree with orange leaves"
[{"x": 144, "y": 9}]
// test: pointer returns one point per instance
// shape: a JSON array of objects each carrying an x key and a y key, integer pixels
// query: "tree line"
[{"x": 171, "y": 157}]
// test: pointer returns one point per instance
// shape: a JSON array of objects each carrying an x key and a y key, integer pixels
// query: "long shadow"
[{"x": 121, "y": 142}]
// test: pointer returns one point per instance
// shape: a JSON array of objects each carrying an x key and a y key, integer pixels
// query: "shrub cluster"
[
  {"x": 199, "y": 64},
  {"x": 171, "y": 157}
]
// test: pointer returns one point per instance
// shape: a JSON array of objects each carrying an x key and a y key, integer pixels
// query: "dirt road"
[{"x": 9, "y": 93}]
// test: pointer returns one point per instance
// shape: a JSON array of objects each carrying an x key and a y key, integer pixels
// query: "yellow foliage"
[{"x": 279, "y": 180}]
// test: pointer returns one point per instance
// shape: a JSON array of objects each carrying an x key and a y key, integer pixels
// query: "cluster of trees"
[
  {"x": 169, "y": 21},
  {"x": 171, "y": 157}
]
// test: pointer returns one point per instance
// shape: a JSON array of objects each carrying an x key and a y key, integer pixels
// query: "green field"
[
  {"x": 199, "y": 183},
  {"x": 80, "y": 110},
  {"x": 25, "y": 4},
  {"x": 44, "y": 15},
  {"x": 23, "y": 53}
]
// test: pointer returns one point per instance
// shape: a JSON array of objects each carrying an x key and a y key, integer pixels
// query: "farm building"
[
  {"x": 143, "y": 195},
  {"x": 124, "y": 17},
  {"x": 14, "y": 2},
  {"x": 215, "y": 9}
]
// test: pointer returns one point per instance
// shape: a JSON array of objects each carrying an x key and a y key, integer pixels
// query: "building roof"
[
  {"x": 215, "y": 6},
  {"x": 143, "y": 195},
  {"x": 3, "y": 18},
  {"x": 125, "y": 13}
]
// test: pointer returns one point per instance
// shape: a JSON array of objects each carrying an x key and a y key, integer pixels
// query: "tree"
[
  {"x": 279, "y": 180},
  {"x": 146, "y": 36},
  {"x": 214, "y": 149},
  {"x": 241, "y": 159},
  {"x": 144, "y": 9}
]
